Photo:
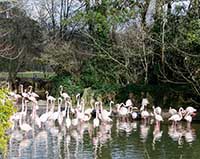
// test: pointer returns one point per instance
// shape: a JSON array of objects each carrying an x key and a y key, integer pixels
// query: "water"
[{"x": 121, "y": 139}]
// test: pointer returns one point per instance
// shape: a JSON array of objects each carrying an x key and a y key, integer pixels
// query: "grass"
[{"x": 31, "y": 74}]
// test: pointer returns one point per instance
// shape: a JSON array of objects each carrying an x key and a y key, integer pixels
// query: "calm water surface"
[{"x": 121, "y": 139}]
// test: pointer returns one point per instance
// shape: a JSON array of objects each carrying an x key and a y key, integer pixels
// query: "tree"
[{"x": 22, "y": 41}]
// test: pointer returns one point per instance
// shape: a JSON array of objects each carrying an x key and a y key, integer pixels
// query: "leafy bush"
[{"x": 6, "y": 110}]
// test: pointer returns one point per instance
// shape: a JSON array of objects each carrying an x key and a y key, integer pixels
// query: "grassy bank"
[{"x": 31, "y": 74}]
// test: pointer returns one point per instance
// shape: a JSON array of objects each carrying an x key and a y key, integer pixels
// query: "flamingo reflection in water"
[
  {"x": 157, "y": 134},
  {"x": 178, "y": 133}
]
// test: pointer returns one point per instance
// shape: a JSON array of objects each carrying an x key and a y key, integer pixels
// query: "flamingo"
[
  {"x": 144, "y": 114},
  {"x": 31, "y": 93},
  {"x": 190, "y": 110},
  {"x": 75, "y": 120},
  {"x": 96, "y": 119},
  {"x": 15, "y": 95},
  {"x": 145, "y": 102},
  {"x": 24, "y": 126},
  {"x": 157, "y": 114},
  {"x": 66, "y": 106},
  {"x": 157, "y": 110},
  {"x": 89, "y": 110},
  {"x": 177, "y": 117},
  {"x": 157, "y": 134},
  {"x": 110, "y": 112},
  {"x": 68, "y": 120},
  {"x": 64, "y": 95},
  {"x": 50, "y": 98},
  {"x": 172, "y": 111},
  {"x": 56, "y": 114},
  {"x": 104, "y": 115},
  {"x": 60, "y": 116},
  {"x": 85, "y": 116},
  {"x": 78, "y": 99},
  {"x": 122, "y": 110},
  {"x": 44, "y": 117},
  {"x": 188, "y": 118},
  {"x": 23, "y": 92},
  {"x": 129, "y": 103}
]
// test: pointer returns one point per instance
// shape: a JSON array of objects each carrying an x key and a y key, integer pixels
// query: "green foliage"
[
  {"x": 69, "y": 83},
  {"x": 193, "y": 35},
  {"x": 6, "y": 110}
]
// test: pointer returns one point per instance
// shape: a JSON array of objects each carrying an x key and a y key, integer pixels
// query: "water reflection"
[
  {"x": 123, "y": 138},
  {"x": 179, "y": 133}
]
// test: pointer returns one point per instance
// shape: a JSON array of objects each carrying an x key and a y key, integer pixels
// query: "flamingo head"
[{"x": 194, "y": 114}]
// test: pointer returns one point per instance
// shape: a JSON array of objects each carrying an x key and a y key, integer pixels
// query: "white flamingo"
[
  {"x": 157, "y": 114},
  {"x": 96, "y": 119},
  {"x": 56, "y": 114},
  {"x": 44, "y": 117},
  {"x": 104, "y": 115},
  {"x": 157, "y": 110},
  {"x": 50, "y": 98},
  {"x": 190, "y": 109},
  {"x": 145, "y": 102},
  {"x": 31, "y": 93},
  {"x": 60, "y": 116},
  {"x": 177, "y": 117},
  {"x": 122, "y": 110},
  {"x": 23, "y": 92},
  {"x": 64, "y": 95},
  {"x": 68, "y": 120},
  {"x": 188, "y": 118},
  {"x": 172, "y": 111},
  {"x": 75, "y": 120},
  {"x": 24, "y": 126}
]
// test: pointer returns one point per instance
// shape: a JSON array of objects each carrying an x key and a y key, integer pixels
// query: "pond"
[{"x": 121, "y": 139}]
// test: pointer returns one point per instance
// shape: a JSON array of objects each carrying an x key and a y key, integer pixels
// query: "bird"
[
  {"x": 49, "y": 98},
  {"x": 157, "y": 115},
  {"x": 122, "y": 110},
  {"x": 68, "y": 120},
  {"x": 128, "y": 103},
  {"x": 144, "y": 114},
  {"x": 75, "y": 121},
  {"x": 24, "y": 126},
  {"x": 31, "y": 93},
  {"x": 64, "y": 95},
  {"x": 190, "y": 109},
  {"x": 56, "y": 114},
  {"x": 110, "y": 111},
  {"x": 44, "y": 117},
  {"x": 60, "y": 116},
  {"x": 177, "y": 117},
  {"x": 104, "y": 115},
  {"x": 172, "y": 111},
  {"x": 23, "y": 92},
  {"x": 96, "y": 119},
  {"x": 157, "y": 110}
]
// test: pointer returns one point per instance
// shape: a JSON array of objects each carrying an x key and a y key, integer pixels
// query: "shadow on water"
[{"x": 122, "y": 138}]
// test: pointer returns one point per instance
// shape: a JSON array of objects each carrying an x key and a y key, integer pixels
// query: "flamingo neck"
[
  {"x": 110, "y": 107},
  {"x": 47, "y": 95},
  {"x": 65, "y": 106},
  {"x": 67, "y": 112},
  {"x": 22, "y": 91},
  {"x": 47, "y": 106},
  {"x": 61, "y": 91},
  {"x": 31, "y": 88}
]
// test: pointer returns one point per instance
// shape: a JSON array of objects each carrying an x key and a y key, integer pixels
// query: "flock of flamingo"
[{"x": 72, "y": 116}]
